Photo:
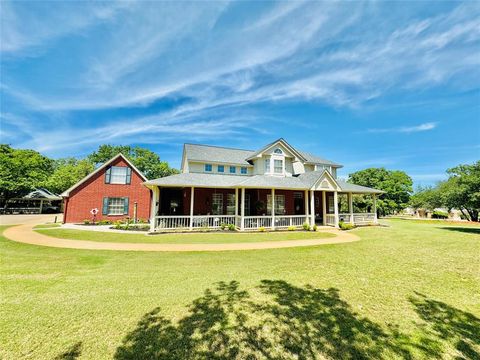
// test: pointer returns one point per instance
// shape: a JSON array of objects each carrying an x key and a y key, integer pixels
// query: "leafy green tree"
[
  {"x": 22, "y": 171},
  {"x": 427, "y": 198},
  {"x": 66, "y": 173},
  {"x": 145, "y": 160},
  {"x": 462, "y": 189},
  {"x": 396, "y": 184}
]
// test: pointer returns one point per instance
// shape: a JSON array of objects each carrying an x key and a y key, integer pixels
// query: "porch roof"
[{"x": 302, "y": 182}]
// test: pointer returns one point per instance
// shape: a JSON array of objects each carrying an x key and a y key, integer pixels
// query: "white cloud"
[{"x": 406, "y": 129}]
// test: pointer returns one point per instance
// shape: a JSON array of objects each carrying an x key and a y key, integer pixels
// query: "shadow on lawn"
[
  {"x": 291, "y": 322},
  {"x": 469, "y": 230},
  {"x": 72, "y": 353}
]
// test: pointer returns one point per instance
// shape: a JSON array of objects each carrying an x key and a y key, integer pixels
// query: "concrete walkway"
[{"x": 24, "y": 233}]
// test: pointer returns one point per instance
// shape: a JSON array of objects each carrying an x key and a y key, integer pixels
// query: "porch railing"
[
  {"x": 289, "y": 220},
  {"x": 198, "y": 221},
  {"x": 330, "y": 219},
  {"x": 363, "y": 218},
  {"x": 256, "y": 222},
  {"x": 347, "y": 218}
]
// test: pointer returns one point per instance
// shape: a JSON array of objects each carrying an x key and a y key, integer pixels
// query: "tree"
[
  {"x": 427, "y": 198},
  {"x": 462, "y": 190},
  {"x": 146, "y": 161},
  {"x": 21, "y": 171},
  {"x": 66, "y": 173},
  {"x": 396, "y": 184}
]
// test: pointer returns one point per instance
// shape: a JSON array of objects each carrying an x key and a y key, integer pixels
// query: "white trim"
[
  {"x": 282, "y": 141},
  {"x": 66, "y": 193}
]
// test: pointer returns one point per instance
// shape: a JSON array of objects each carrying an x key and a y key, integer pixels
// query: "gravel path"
[{"x": 24, "y": 233}]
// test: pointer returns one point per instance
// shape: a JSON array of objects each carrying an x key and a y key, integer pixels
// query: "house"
[
  {"x": 115, "y": 189},
  {"x": 38, "y": 201},
  {"x": 277, "y": 186}
]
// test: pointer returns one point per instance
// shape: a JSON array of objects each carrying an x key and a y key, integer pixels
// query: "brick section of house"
[{"x": 90, "y": 194}]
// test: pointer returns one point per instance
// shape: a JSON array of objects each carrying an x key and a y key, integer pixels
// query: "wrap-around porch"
[{"x": 194, "y": 208}]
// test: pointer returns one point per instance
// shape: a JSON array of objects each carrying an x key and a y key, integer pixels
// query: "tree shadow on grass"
[
  {"x": 450, "y": 324},
  {"x": 468, "y": 230},
  {"x": 72, "y": 353},
  {"x": 290, "y": 323}
]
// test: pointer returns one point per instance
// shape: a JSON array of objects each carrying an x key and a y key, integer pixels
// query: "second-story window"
[
  {"x": 267, "y": 165},
  {"x": 278, "y": 166},
  {"x": 208, "y": 167},
  {"x": 233, "y": 169},
  {"x": 118, "y": 175},
  {"x": 221, "y": 168},
  {"x": 243, "y": 170}
]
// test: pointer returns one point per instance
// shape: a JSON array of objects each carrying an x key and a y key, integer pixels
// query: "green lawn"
[
  {"x": 405, "y": 291},
  {"x": 185, "y": 238},
  {"x": 45, "y": 226}
]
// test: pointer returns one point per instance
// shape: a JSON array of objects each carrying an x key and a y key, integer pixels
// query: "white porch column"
[
  {"x": 312, "y": 207},
  {"x": 154, "y": 207},
  {"x": 335, "y": 207},
  {"x": 273, "y": 209},
  {"x": 350, "y": 207},
  {"x": 236, "y": 206},
  {"x": 307, "y": 218},
  {"x": 375, "y": 220},
  {"x": 242, "y": 211},
  {"x": 41, "y": 206},
  {"x": 324, "y": 207},
  {"x": 192, "y": 196}
]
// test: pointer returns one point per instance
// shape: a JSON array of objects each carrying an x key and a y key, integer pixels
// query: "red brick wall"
[{"x": 90, "y": 195}]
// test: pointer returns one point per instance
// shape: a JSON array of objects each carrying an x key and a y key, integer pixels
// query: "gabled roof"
[
  {"x": 66, "y": 193},
  {"x": 217, "y": 154},
  {"x": 39, "y": 194},
  {"x": 358, "y": 189},
  {"x": 275, "y": 143},
  {"x": 313, "y": 159}
]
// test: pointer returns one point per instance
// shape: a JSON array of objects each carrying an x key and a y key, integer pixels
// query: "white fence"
[
  {"x": 363, "y": 218},
  {"x": 198, "y": 222},
  {"x": 287, "y": 221},
  {"x": 256, "y": 222},
  {"x": 346, "y": 218}
]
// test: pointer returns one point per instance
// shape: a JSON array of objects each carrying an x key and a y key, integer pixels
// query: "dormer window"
[
  {"x": 278, "y": 151},
  {"x": 267, "y": 165},
  {"x": 278, "y": 166}
]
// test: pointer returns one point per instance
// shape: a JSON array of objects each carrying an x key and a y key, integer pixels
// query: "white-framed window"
[
  {"x": 278, "y": 166},
  {"x": 233, "y": 169},
  {"x": 208, "y": 167},
  {"x": 278, "y": 151},
  {"x": 115, "y": 206},
  {"x": 217, "y": 204},
  {"x": 331, "y": 205},
  {"x": 220, "y": 168},
  {"x": 243, "y": 170},
  {"x": 230, "y": 204},
  {"x": 118, "y": 175},
  {"x": 279, "y": 204},
  {"x": 267, "y": 165}
]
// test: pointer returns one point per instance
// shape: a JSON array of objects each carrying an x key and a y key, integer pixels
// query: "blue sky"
[{"x": 393, "y": 84}]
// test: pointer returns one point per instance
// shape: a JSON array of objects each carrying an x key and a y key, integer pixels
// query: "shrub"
[
  {"x": 315, "y": 227},
  {"x": 231, "y": 227},
  {"x": 223, "y": 226},
  {"x": 104, "y": 222},
  {"x": 261, "y": 229},
  {"x": 118, "y": 225},
  {"x": 345, "y": 226},
  {"x": 86, "y": 222},
  {"x": 439, "y": 215},
  {"x": 291, "y": 228},
  {"x": 306, "y": 226}
]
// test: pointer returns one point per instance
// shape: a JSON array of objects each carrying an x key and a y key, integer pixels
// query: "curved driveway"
[{"x": 24, "y": 233}]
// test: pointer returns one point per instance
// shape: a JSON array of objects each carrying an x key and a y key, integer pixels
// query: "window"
[
  {"x": 221, "y": 168},
  {"x": 208, "y": 167},
  {"x": 230, "y": 204},
  {"x": 279, "y": 204},
  {"x": 267, "y": 165},
  {"x": 278, "y": 151},
  {"x": 243, "y": 170},
  {"x": 115, "y": 206},
  {"x": 233, "y": 169},
  {"x": 331, "y": 204},
  {"x": 217, "y": 204},
  {"x": 118, "y": 175},
  {"x": 278, "y": 166}
]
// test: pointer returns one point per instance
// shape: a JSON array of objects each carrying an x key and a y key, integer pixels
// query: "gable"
[
  {"x": 280, "y": 143},
  {"x": 326, "y": 182}
]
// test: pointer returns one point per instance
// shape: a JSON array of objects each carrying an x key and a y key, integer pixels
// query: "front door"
[{"x": 298, "y": 203}]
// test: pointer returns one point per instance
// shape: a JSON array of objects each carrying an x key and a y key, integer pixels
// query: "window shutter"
[
  {"x": 129, "y": 176},
  {"x": 125, "y": 206},
  {"x": 108, "y": 175},
  {"x": 105, "y": 206}
]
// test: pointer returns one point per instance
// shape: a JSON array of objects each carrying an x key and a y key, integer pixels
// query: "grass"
[
  {"x": 47, "y": 226},
  {"x": 185, "y": 238},
  {"x": 405, "y": 291}
]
